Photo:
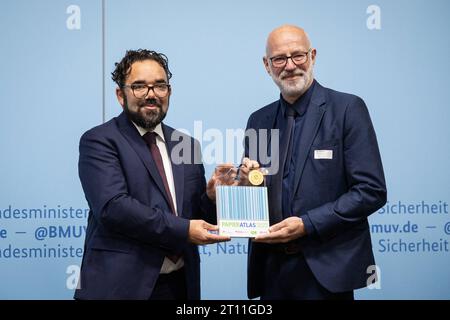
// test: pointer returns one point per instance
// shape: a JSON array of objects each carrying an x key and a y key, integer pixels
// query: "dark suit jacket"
[
  {"x": 336, "y": 194},
  {"x": 130, "y": 227}
]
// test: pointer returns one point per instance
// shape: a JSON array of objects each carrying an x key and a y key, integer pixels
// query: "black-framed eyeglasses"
[
  {"x": 298, "y": 59},
  {"x": 140, "y": 90}
]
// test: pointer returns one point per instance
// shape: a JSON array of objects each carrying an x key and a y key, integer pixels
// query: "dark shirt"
[{"x": 300, "y": 106}]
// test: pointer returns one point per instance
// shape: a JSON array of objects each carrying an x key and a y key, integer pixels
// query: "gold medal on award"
[
  {"x": 242, "y": 203},
  {"x": 255, "y": 177}
]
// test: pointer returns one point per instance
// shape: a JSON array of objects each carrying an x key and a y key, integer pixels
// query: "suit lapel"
[
  {"x": 177, "y": 169},
  {"x": 308, "y": 132},
  {"x": 138, "y": 144}
]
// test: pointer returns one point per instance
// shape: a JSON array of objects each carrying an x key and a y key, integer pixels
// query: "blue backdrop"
[{"x": 55, "y": 64}]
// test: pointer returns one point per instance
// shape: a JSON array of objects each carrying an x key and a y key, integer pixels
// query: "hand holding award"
[{"x": 242, "y": 206}]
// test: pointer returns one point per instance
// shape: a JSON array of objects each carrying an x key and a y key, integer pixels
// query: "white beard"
[{"x": 297, "y": 87}]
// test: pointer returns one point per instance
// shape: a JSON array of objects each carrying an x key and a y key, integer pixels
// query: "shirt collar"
[
  {"x": 158, "y": 130},
  {"x": 301, "y": 104}
]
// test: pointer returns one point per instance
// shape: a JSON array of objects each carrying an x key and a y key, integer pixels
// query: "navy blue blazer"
[
  {"x": 337, "y": 194},
  {"x": 130, "y": 226}
]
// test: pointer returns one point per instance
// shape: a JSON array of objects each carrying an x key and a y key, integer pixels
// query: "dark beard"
[{"x": 152, "y": 117}]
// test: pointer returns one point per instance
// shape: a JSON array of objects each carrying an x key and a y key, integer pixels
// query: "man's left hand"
[
  {"x": 224, "y": 174},
  {"x": 287, "y": 230}
]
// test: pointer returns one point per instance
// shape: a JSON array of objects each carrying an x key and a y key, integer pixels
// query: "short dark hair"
[{"x": 123, "y": 67}]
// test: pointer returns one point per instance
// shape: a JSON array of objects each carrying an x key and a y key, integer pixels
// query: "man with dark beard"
[
  {"x": 330, "y": 179},
  {"x": 146, "y": 207}
]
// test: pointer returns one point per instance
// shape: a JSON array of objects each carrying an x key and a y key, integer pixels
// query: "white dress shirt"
[{"x": 168, "y": 265}]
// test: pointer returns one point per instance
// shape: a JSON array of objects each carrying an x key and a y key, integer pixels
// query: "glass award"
[{"x": 242, "y": 206}]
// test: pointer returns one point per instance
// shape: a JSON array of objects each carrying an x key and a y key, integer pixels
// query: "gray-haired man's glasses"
[{"x": 298, "y": 59}]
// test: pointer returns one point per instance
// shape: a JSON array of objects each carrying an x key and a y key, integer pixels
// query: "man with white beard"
[{"x": 330, "y": 179}]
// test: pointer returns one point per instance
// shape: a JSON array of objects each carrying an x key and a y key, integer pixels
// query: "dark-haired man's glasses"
[{"x": 140, "y": 90}]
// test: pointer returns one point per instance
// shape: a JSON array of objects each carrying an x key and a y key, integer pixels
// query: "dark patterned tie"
[
  {"x": 150, "y": 139},
  {"x": 275, "y": 192}
]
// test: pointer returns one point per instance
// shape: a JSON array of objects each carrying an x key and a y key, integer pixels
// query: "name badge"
[{"x": 323, "y": 154}]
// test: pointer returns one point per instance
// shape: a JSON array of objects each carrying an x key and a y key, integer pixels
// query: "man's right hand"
[
  {"x": 245, "y": 168},
  {"x": 198, "y": 233}
]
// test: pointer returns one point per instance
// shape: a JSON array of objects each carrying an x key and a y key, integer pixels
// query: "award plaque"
[{"x": 242, "y": 211}]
